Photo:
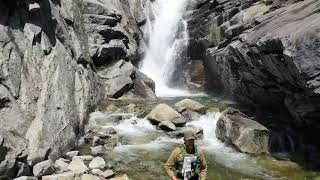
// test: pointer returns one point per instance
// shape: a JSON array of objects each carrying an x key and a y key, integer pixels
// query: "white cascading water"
[{"x": 164, "y": 44}]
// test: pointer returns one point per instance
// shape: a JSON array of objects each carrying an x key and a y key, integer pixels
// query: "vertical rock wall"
[{"x": 47, "y": 84}]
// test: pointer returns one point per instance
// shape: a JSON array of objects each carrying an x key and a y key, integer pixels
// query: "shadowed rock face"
[
  {"x": 47, "y": 87},
  {"x": 261, "y": 57}
]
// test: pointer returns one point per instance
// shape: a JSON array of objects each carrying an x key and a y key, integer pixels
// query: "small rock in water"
[
  {"x": 112, "y": 108},
  {"x": 98, "y": 150},
  {"x": 43, "y": 168},
  {"x": 162, "y": 112},
  {"x": 192, "y": 105},
  {"x": 108, "y": 130},
  {"x": 84, "y": 158},
  {"x": 111, "y": 142},
  {"x": 191, "y": 115},
  {"x": 107, "y": 174},
  {"x": 97, "y": 163},
  {"x": 71, "y": 154},
  {"x": 77, "y": 165},
  {"x": 97, "y": 141}
]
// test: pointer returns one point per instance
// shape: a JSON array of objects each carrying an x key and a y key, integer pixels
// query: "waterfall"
[{"x": 167, "y": 36}]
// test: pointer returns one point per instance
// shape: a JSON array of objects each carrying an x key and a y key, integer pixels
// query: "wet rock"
[
  {"x": 192, "y": 105},
  {"x": 43, "y": 168},
  {"x": 179, "y": 133},
  {"x": 167, "y": 126},
  {"x": 112, "y": 108},
  {"x": 97, "y": 163},
  {"x": 71, "y": 154},
  {"x": 107, "y": 174},
  {"x": 78, "y": 165},
  {"x": 163, "y": 112},
  {"x": 97, "y": 141},
  {"x": 61, "y": 166},
  {"x": 71, "y": 175},
  {"x": 97, "y": 150},
  {"x": 89, "y": 177},
  {"x": 190, "y": 115},
  {"x": 245, "y": 134},
  {"x": 84, "y": 158},
  {"x": 108, "y": 131},
  {"x": 26, "y": 178}
]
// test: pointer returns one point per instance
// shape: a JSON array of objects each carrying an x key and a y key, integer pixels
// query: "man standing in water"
[{"x": 187, "y": 162}]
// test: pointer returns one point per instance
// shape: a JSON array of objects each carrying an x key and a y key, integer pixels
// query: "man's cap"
[{"x": 189, "y": 135}]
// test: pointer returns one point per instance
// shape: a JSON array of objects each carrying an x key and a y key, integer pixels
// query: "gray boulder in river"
[{"x": 241, "y": 132}]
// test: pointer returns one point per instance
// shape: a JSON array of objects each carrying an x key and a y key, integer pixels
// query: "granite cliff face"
[
  {"x": 47, "y": 84},
  {"x": 265, "y": 56},
  {"x": 53, "y": 58}
]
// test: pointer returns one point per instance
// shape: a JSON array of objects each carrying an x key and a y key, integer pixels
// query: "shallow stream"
[{"x": 143, "y": 149}]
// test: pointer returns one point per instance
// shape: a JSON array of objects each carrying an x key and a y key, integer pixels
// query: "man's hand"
[{"x": 174, "y": 178}]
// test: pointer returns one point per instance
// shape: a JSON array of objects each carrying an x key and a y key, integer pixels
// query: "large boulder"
[
  {"x": 245, "y": 134},
  {"x": 163, "y": 112},
  {"x": 123, "y": 80},
  {"x": 192, "y": 105}
]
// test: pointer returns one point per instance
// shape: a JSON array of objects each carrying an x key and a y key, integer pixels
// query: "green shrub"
[{"x": 215, "y": 34}]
